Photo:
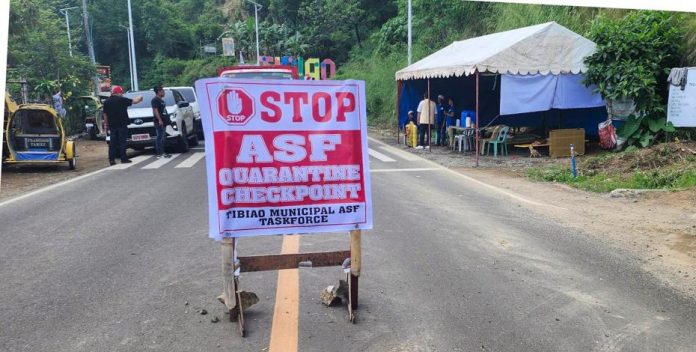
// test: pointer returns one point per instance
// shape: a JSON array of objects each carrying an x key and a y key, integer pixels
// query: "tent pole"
[
  {"x": 430, "y": 135},
  {"x": 478, "y": 118},
  {"x": 398, "y": 111}
]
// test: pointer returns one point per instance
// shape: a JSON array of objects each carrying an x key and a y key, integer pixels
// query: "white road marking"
[
  {"x": 191, "y": 160},
  {"x": 379, "y": 156},
  {"x": 407, "y": 170},
  {"x": 159, "y": 162},
  {"x": 402, "y": 154},
  {"x": 48, "y": 188},
  {"x": 136, "y": 160},
  {"x": 471, "y": 179}
]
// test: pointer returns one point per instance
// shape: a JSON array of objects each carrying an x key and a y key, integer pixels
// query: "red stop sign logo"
[{"x": 235, "y": 106}]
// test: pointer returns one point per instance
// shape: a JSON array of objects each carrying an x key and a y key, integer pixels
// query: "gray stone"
[
  {"x": 248, "y": 299},
  {"x": 625, "y": 193},
  {"x": 333, "y": 295}
]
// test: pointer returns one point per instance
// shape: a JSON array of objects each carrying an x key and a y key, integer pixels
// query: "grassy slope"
[{"x": 665, "y": 166}]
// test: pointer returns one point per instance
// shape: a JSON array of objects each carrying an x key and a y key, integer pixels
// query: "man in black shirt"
[
  {"x": 116, "y": 120},
  {"x": 161, "y": 120}
]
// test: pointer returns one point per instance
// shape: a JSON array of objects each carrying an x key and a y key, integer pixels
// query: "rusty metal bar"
[
  {"x": 353, "y": 287},
  {"x": 291, "y": 261}
]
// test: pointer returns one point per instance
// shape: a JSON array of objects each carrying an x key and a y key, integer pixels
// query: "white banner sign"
[
  {"x": 285, "y": 156},
  {"x": 681, "y": 106},
  {"x": 228, "y": 46}
]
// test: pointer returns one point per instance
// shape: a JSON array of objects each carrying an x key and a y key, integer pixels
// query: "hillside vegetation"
[{"x": 367, "y": 39}]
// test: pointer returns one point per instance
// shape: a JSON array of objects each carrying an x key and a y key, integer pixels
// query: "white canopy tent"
[
  {"x": 547, "y": 48},
  {"x": 522, "y": 56}
]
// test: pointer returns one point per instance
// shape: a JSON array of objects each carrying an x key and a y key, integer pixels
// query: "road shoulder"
[{"x": 659, "y": 228}]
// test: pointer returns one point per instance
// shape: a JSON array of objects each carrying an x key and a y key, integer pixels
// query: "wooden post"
[
  {"x": 229, "y": 293},
  {"x": 355, "y": 265},
  {"x": 478, "y": 118},
  {"x": 398, "y": 112}
]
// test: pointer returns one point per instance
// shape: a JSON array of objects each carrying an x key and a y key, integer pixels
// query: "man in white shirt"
[{"x": 426, "y": 118}]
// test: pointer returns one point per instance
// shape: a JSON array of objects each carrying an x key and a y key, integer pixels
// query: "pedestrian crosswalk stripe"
[
  {"x": 136, "y": 160},
  {"x": 410, "y": 169},
  {"x": 406, "y": 155},
  {"x": 160, "y": 162},
  {"x": 191, "y": 160},
  {"x": 379, "y": 156}
]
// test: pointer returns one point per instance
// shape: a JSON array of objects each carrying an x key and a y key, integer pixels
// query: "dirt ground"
[
  {"x": 659, "y": 227},
  {"x": 18, "y": 179}
]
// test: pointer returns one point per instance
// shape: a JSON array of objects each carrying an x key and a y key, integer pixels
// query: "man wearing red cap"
[{"x": 116, "y": 120}]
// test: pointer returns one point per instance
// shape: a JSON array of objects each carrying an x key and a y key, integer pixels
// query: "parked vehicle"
[
  {"x": 259, "y": 72},
  {"x": 89, "y": 110},
  {"x": 35, "y": 134},
  {"x": 10, "y": 108},
  {"x": 181, "y": 132},
  {"x": 190, "y": 95}
]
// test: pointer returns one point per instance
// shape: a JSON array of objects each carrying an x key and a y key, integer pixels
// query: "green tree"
[
  {"x": 633, "y": 58},
  {"x": 38, "y": 50}
]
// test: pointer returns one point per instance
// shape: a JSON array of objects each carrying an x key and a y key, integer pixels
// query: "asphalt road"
[{"x": 120, "y": 261}]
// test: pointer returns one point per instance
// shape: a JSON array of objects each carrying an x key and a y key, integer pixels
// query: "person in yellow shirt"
[
  {"x": 411, "y": 130},
  {"x": 426, "y": 119}
]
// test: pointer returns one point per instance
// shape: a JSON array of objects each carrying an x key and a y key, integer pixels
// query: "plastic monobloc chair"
[
  {"x": 500, "y": 139},
  {"x": 485, "y": 141}
]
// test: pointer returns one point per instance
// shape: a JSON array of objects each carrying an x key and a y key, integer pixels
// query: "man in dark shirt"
[
  {"x": 450, "y": 120},
  {"x": 440, "y": 120},
  {"x": 116, "y": 120},
  {"x": 161, "y": 120}
]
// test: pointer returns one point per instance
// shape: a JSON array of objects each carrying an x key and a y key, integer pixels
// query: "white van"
[
  {"x": 182, "y": 130},
  {"x": 190, "y": 95}
]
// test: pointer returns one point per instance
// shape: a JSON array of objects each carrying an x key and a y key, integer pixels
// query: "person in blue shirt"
[
  {"x": 440, "y": 120},
  {"x": 450, "y": 119},
  {"x": 58, "y": 104}
]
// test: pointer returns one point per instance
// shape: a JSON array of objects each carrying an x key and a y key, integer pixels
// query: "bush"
[{"x": 633, "y": 58}]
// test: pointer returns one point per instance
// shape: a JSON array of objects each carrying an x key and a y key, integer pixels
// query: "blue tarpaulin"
[
  {"x": 463, "y": 90},
  {"x": 36, "y": 156},
  {"x": 522, "y": 94}
]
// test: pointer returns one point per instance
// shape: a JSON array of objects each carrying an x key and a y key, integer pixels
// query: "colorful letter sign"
[
  {"x": 285, "y": 156},
  {"x": 310, "y": 67}
]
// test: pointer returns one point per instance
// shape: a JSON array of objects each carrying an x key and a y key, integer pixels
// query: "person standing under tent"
[
  {"x": 440, "y": 120},
  {"x": 450, "y": 120},
  {"x": 426, "y": 118},
  {"x": 410, "y": 130}
]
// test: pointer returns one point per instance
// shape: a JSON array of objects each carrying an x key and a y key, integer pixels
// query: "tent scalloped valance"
[
  {"x": 458, "y": 72},
  {"x": 547, "y": 48}
]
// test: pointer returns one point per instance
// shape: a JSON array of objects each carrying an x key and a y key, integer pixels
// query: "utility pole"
[
  {"x": 132, "y": 47},
  {"x": 257, "y": 7},
  {"x": 409, "y": 32},
  {"x": 90, "y": 45},
  {"x": 67, "y": 25},
  {"x": 130, "y": 56}
]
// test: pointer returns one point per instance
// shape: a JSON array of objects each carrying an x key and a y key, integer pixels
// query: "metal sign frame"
[{"x": 232, "y": 267}]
